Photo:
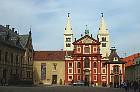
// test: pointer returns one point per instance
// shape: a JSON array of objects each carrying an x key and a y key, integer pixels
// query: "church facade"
[{"x": 91, "y": 60}]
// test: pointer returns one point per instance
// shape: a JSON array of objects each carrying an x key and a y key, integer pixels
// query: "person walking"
[
  {"x": 139, "y": 85},
  {"x": 135, "y": 86}
]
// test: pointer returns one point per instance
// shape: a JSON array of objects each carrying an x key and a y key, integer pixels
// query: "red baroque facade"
[{"x": 85, "y": 62}]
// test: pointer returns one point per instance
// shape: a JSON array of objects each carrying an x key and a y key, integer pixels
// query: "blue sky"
[{"x": 48, "y": 20}]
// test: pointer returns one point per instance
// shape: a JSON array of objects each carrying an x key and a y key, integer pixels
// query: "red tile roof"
[
  {"x": 130, "y": 59},
  {"x": 50, "y": 55}
]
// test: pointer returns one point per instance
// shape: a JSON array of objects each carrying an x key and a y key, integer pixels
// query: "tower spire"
[
  {"x": 68, "y": 35},
  {"x": 68, "y": 29},
  {"x": 102, "y": 27},
  {"x": 103, "y": 37}
]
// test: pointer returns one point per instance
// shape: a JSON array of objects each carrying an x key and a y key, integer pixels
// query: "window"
[
  {"x": 11, "y": 58},
  {"x": 79, "y": 71},
  {"x": 0, "y": 55},
  {"x": 17, "y": 62},
  {"x": 78, "y": 64},
  {"x": 103, "y": 38},
  {"x": 68, "y": 39},
  {"x": 95, "y": 49},
  {"x": 103, "y": 70},
  {"x": 115, "y": 59},
  {"x": 103, "y": 44},
  {"x": 68, "y": 45},
  {"x": 28, "y": 74},
  {"x": 70, "y": 70},
  {"x": 95, "y": 78},
  {"x": 95, "y": 71},
  {"x": 95, "y": 65},
  {"x": 43, "y": 71},
  {"x": 78, "y": 77},
  {"x": 103, "y": 77},
  {"x": 70, "y": 65},
  {"x": 116, "y": 69},
  {"x": 87, "y": 49},
  {"x": 86, "y": 63},
  {"x": 6, "y": 56},
  {"x": 103, "y": 64},
  {"x": 70, "y": 77},
  {"x": 79, "y": 49}
]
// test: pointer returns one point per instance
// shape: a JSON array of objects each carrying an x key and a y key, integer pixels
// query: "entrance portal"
[{"x": 54, "y": 79}]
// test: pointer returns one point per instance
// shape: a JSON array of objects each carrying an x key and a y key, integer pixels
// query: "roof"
[
  {"x": 130, "y": 59},
  {"x": 9, "y": 37},
  {"x": 114, "y": 55},
  {"x": 115, "y": 62},
  {"x": 50, "y": 55},
  {"x": 24, "y": 39}
]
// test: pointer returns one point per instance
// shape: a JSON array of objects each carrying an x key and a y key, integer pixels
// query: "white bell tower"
[
  {"x": 68, "y": 36},
  {"x": 103, "y": 37}
]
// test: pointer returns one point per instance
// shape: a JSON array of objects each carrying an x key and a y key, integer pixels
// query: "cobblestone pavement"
[{"x": 59, "y": 89}]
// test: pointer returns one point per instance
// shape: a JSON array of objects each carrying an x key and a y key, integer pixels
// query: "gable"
[{"x": 86, "y": 40}]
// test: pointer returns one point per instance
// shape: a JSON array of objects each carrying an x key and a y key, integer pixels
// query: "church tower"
[
  {"x": 103, "y": 37},
  {"x": 68, "y": 36}
]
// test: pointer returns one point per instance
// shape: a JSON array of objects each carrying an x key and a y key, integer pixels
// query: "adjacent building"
[
  {"x": 16, "y": 54},
  {"x": 132, "y": 67},
  {"x": 115, "y": 68},
  {"x": 49, "y": 67}
]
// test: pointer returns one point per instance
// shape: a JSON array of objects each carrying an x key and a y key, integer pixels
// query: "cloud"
[{"x": 48, "y": 20}]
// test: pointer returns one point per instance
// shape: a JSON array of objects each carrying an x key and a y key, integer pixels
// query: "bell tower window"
[
  {"x": 103, "y": 44},
  {"x": 103, "y": 38},
  {"x": 68, "y": 45},
  {"x": 68, "y": 39}
]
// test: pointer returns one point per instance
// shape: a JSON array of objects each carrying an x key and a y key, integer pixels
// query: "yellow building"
[{"x": 49, "y": 67}]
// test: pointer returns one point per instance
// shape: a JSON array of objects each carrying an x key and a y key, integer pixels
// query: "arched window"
[
  {"x": 116, "y": 69},
  {"x": 94, "y": 64},
  {"x": 86, "y": 63},
  {"x": 103, "y": 38},
  {"x": 78, "y": 65}
]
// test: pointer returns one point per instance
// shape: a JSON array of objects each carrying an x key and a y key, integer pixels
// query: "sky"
[{"x": 47, "y": 19}]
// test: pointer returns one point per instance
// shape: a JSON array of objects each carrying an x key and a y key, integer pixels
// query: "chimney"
[
  {"x": 7, "y": 26},
  {"x": 13, "y": 29}
]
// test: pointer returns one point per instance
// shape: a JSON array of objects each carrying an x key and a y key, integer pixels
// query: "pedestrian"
[
  {"x": 135, "y": 86},
  {"x": 139, "y": 85},
  {"x": 125, "y": 86}
]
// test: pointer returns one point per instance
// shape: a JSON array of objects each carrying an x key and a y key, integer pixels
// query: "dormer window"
[{"x": 115, "y": 59}]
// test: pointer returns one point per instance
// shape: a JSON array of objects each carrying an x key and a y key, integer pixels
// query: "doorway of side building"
[
  {"x": 87, "y": 78},
  {"x": 54, "y": 79}
]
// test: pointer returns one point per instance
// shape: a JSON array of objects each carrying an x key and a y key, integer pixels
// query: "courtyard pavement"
[{"x": 59, "y": 89}]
